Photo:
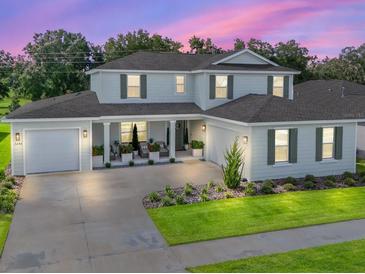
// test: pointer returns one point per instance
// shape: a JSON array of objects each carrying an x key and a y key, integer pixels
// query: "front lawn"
[
  {"x": 5, "y": 221},
  {"x": 241, "y": 216},
  {"x": 4, "y": 145},
  {"x": 342, "y": 258}
]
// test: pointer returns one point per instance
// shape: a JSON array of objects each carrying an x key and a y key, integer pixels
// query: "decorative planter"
[
  {"x": 155, "y": 156},
  {"x": 186, "y": 146},
  {"x": 135, "y": 153},
  {"x": 197, "y": 152},
  {"x": 98, "y": 161},
  {"x": 126, "y": 157}
]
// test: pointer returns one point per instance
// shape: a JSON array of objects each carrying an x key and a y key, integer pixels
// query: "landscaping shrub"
[
  {"x": 131, "y": 163},
  {"x": 347, "y": 174},
  {"x": 362, "y": 179},
  {"x": 155, "y": 147},
  {"x": 329, "y": 183},
  {"x": 98, "y": 150},
  {"x": 361, "y": 174},
  {"x": 228, "y": 195},
  {"x": 154, "y": 197},
  {"x": 11, "y": 180},
  {"x": 180, "y": 200},
  {"x": 188, "y": 189},
  {"x": 108, "y": 165},
  {"x": 205, "y": 190},
  {"x": 290, "y": 180},
  {"x": 289, "y": 187},
  {"x": 167, "y": 201},
  {"x": 7, "y": 200},
  {"x": 331, "y": 178},
  {"x": 135, "y": 142},
  {"x": 8, "y": 185},
  {"x": 210, "y": 184},
  {"x": 232, "y": 171},
  {"x": 203, "y": 197},
  {"x": 309, "y": 185},
  {"x": 349, "y": 181},
  {"x": 2, "y": 174},
  {"x": 169, "y": 192},
  {"x": 309, "y": 177},
  {"x": 250, "y": 189},
  {"x": 219, "y": 188},
  {"x": 124, "y": 149},
  {"x": 151, "y": 162},
  {"x": 195, "y": 144},
  {"x": 267, "y": 187},
  {"x": 172, "y": 160}
]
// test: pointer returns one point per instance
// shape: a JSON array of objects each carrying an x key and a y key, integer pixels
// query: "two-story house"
[{"x": 284, "y": 130}]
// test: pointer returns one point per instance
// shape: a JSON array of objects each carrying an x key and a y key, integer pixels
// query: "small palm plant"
[{"x": 232, "y": 171}]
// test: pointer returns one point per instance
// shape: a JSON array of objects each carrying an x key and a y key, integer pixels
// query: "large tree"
[
  {"x": 58, "y": 61},
  {"x": 6, "y": 69},
  {"x": 261, "y": 47},
  {"x": 130, "y": 42},
  {"x": 199, "y": 45}
]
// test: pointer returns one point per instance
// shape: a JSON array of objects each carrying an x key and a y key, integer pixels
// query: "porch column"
[
  {"x": 106, "y": 142},
  {"x": 172, "y": 138}
]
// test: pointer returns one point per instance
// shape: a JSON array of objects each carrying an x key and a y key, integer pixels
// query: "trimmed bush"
[
  {"x": 169, "y": 192},
  {"x": 7, "y": 200},
  {"x": 250, "y": 189},
  {"x": 349, "y": 181},
  {"x": 205, "y": 190},
  {"x": 8, "y": 185},
  {"x": 233, "y": 169},
  {"x": 167, "y": 201},
  {"x": 347, "y": 174},
  {"x": 195, "y": 144},
  {"x": 289, "y": 187},
  {"x": 290, "y": 180},
  {"x": 180, "y": 200},
  {"x": 329, "y": 183},
  {"x": 219, "y": 188},
  {"x": 155, "y": 147},
  {"x": 96, "y": 151},
  {"x": 151, "y": 162},
  {"x": 108, "y": 165},
  {"x": 310, "y": 177},
  {"x": 210, "y": 184},
  {"x": 154, "y": 197},
  {"x": 188, "y": 189},
  {"x": 267, "y": 187},
  {"x": 172, "y": 160},
  {"x": 309, "y": 185},
  {"x": 228, "y": 195},
  {"x": 131, "y": 163},
  {"x": 331, "y": 178},
  {"x": 204, "y": 197}
]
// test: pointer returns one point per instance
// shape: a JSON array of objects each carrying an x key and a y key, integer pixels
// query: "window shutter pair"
[
  {"x": 270, "y": 86},
  {"x": 338, "y": 143},
  {"x": 293, "y": 146},
  {"x": 124, "y": 86},
  {"x": 212, "y": 87}
]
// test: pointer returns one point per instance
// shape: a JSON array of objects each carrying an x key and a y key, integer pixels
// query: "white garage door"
[{"x": 51, "y": 150}]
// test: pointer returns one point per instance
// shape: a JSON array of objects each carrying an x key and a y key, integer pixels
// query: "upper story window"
[
  {"x": 180, "y": 83},
  {"x": 133, "y": 86},
  {"x": 221, "y": 83},
  {"x": 328, "y": 142},
  {"x": 281, "y": 145},
  {"x": 127, "y": 131},
  {"x": 278, "y": 86}
]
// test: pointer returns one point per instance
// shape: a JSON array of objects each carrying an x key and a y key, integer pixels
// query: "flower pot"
[
  {"x": 126, "y": 157},
  {"x": 197, "y": 152},
  {"x": 98, "y": 161},
  {"x": 155, "y": 156},
  {"x": 135, "y": 153},
  {"x": 186, "y": 146}
]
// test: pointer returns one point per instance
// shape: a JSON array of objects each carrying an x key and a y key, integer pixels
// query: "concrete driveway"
[{"x": 95, "y": 221}]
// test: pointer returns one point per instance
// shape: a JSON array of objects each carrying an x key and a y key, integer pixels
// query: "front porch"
[{"x": 174, "y": 143}]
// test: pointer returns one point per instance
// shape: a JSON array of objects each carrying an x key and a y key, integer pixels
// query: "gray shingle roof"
[
  {"x": 313, "y": 100},
  {"x": 181, "y": 62}
]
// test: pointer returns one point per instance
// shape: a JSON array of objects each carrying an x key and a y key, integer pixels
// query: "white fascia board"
[
  {"x": 242, "y": 52},
  {"x": 246, "y": 71},
  {"x": 30, "y": 120},
  {"x": 309, "y": 122},
  {"x": 138, "y": 71}
]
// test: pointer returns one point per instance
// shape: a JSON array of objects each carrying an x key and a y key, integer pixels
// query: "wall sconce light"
[
  {"x": 204, "y": 127},
  {"x": 84, "y": 133},
  {"x": 17, "y": 137},
  {"x": 245, "y": 140}
]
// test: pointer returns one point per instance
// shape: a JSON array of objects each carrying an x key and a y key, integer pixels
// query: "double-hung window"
[
  {"x": 281, "y": 145},
  {"x": 133, "y": 86},
  {"x": 127, "y": 131},
  {"x": 328, "y": 141},
  {"x": 278, "y": 86},
  {"x": 221, "y": 84},
  {"x": 180, "y": 83}
]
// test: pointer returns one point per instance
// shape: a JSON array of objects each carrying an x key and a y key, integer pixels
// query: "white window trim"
[
  {"x": 134, "y": 97},
  {"x": 273, "y": 85},
  {"x": 215, "y": 92},
  {"x": 184, "y": 92},
  {"x": 282, "y": 163},
  {"x": 333, "y": 145}
]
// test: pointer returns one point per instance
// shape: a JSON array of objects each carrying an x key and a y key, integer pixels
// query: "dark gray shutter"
[
  {"x": 286, "y": 86},
  {"x": 211, "y": 86},
  {"x": 271, "y": 146},
  {"x": 143, "y": 83},
  {"x": 338, "y": 142},
  {"x": 230, "y": 86},
  {"x": 293, "y": 145},
  {"x": 123, "y": 86},
  {"x": 270, "y": 85},
  {"x": 319, "y": 143}
]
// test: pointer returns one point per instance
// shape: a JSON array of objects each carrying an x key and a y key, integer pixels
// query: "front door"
[{"x": 179, "y": 136}]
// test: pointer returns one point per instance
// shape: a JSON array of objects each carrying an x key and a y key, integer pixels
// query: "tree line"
[{"x": 55, "y": 62}]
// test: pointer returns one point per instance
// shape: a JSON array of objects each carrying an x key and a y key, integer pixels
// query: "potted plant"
[
  {"x": 98, "y": 156},
  {"x": 126, "y": 153},
  {"x": 154, "y": 152},
  {"x": 186, "y": 139},
  {"x": 135, "y": 142},
  {"x": 197, "y": 148}
]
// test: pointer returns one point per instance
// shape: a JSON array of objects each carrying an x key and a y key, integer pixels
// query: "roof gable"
[{"x": 247, "y": 57}]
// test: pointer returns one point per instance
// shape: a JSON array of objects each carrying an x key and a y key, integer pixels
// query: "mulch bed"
[{"x": 278, "y": 187}]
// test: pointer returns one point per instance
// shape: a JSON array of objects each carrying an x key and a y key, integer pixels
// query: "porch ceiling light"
[
  {"x": 17, "y": 137},
  {"x": 204, "y": 127},
  {"x": 84, "y": 133}
]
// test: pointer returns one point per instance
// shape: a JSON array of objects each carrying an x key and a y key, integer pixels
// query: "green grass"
[
  {"x": 5, "y": 221},
  {"x": 249, "y": 215},
  {"x": 342, "y": 257},
  {"x": 4, "y": 145},
  {"x": 360, "y": 165},
  {"x": 5, "y": 102}
]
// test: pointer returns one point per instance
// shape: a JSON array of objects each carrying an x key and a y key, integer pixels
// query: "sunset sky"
[{"x": 324, "y": 26}]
